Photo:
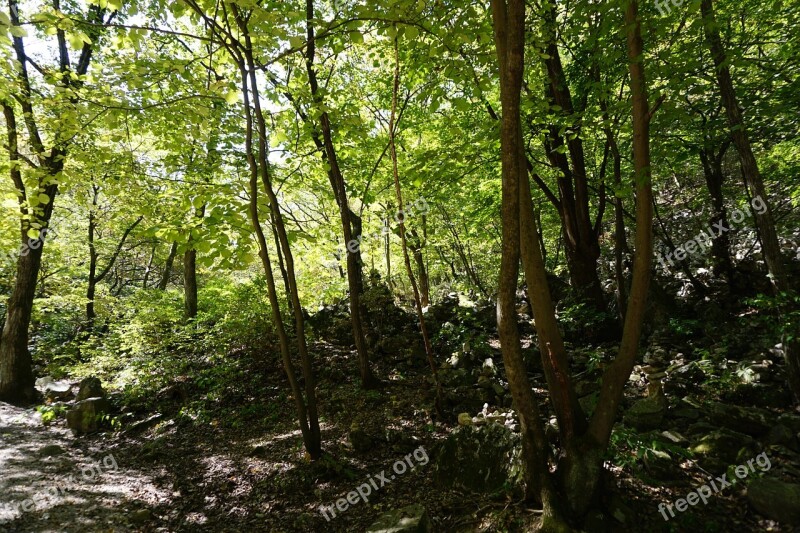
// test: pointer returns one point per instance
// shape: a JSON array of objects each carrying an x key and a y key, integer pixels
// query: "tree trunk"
[
  {"x": 349, "y": 219},
  {"x": 173, "y": 251},
  {"x": 403, "y": 234},
  {"x": 90, "y": 289},
  {"x": 764, "y": 220},
  {"x": 417, "y": 245},
  {"x": 720, "y": 244},
  {"x": 190, "y": 283},
  {"x": 16, "y": 373},
  {"x": 149, "y": 269},
  {"x": 509, "y": 31}
]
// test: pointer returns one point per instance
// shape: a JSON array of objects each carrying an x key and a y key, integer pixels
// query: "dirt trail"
[{"x": 52, "y": 481}]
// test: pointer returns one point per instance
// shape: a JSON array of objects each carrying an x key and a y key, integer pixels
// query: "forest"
[{"x": 399, "y": 266}]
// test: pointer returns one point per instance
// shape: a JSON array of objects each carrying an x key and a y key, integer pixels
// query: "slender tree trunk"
[
  {"x": 417, "y": 245},
  {"x": 509, "y": 32},
  {"x": 764, "y": 220},
  {"x": 582, "y": 244},
  {"x": 90, "y": 289},
  {"x": 720, "y": 244},
  {"x": 304, "y": 402},
  {"x": 281, "y": 264},
  {"x": 313, "y": 438},
  {"x": 190, "y": 283},
  {"x": 403, "y": 236},
  {"x": 348, "y": 218},
  {"x": 173, "y": 251},
  {"x": 149, "y": 269},
  {"x": 617, "y": 374}
]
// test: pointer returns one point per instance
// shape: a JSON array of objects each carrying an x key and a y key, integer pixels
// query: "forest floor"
[{"x": 179, "y": 471}]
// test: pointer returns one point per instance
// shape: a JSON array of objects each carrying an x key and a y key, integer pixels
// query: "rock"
[
  {"x": 51, "y": 450},
  {"x": 750, "y": 421},
  {"x": 258, "y": 451},
  {"x": 779, "y": 434},
  {"x": 464, "y": 419},
  {"x": 674, "y": 437},
  {"x": 482, "y": 459},
  {"x": 620, "y": 510},
  {"x": 90, "y": 387},
  {"x": 723, "y": 444},
  {"x": 775, "y": 499},
  {"x": 53, "y": 390},
  {"x": 143, "y": 425},
  {"x": 689, "y": 413},
  {"x": 86, "y": 415},
  {"x": 758, "y": 394},
  {"x": 791, "y": 421},
  {"x": 645, "y": 414},
  {"x": 660, "y": 465},
  {"x": 409, "y": 519},
  {"x": 141, "y": 517},
  {"x": 360, "y": 440}
]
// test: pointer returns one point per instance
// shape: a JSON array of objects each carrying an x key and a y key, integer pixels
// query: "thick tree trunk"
[{"x": 16, "y": 374}]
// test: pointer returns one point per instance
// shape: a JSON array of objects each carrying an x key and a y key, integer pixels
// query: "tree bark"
[
  {"x": 311, "y": 429},
  {"x": 720, "y": 244},
  {"x": 403, "y": 234},
  {"x": 765, "y": 221},
  {"x": 16, "y": 373},
  {"x": 509, "y": 32},
  {"x": 190, "y": 284},
  {"x": 173, "y": 251},
  {"x": 349, "y": 220}
]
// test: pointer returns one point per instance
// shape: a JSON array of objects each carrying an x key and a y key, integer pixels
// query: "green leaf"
[
  {"x": 18, "y": 31},
  {"x": 231, "y": 97},
  {"x": 297, "y": 41},
  {"x": 356, "y": 37}
]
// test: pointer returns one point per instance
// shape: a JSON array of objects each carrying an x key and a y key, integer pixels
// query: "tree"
[
  {"x": 36, "y": 202},
  {"x": 576, "y": 484}
]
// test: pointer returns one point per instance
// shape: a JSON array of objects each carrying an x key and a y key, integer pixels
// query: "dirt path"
[{"x": 51, "y": 481}]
